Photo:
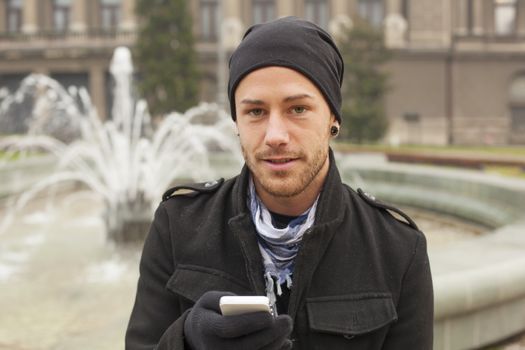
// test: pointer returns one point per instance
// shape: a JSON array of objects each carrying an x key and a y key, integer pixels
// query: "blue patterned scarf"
[{"x": 278, "y": 247}]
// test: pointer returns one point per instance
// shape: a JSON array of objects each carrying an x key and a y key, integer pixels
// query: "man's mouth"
[{"x": 280, "y": 160}]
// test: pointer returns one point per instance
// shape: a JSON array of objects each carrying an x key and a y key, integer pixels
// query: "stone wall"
[{"x": 464, "y": 92}]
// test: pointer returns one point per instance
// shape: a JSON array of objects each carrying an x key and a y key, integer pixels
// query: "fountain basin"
[
  {"x": 479, "y": 283},
  {"x": 33, "y": 170}
]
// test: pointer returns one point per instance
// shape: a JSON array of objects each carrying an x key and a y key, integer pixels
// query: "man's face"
[{"x": 284, "y": 128}]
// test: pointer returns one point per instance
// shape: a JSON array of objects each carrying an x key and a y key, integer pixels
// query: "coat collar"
[{"x": 331, "y": 199}]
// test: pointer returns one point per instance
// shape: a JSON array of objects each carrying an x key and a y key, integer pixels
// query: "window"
[
  {"x": 517, "y": 104},
  {"x": 504, "y": 17},
  {"x": 11, "y": 81},
  {"x": 209, "y": 20},
  {"x": 263, "y": 11},
  {"x": 12, "y": 121},
  {"x": 317, "y": 12},
  {"x": 518, "y": 119},
  {"x": 61, "y": 10},
  {"x": 371, "y": 11},
  {"x": 110, "y": 13},
  {"x": 405, "y": 12},
  {"x": 13, "y": 16},
  {"x": 470, "y": 16},
  {"x": 405, "y": 9}
]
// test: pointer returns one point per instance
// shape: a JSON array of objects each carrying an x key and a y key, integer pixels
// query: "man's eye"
[
  {"x": 299, "y": 110},
  {"x": 256, "y": 112}
]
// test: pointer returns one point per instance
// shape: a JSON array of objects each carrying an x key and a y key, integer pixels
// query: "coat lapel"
[
  {"x": 242, "y": 227},
  {"x": 329, "y": 216}
]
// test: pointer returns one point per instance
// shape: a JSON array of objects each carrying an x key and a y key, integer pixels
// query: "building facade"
[
  {"x": 457, "y": 74},
  {"x": 70, "y": 40}
]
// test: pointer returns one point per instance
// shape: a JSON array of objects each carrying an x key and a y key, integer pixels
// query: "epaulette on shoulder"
[
  {"x": 370, "y": 199},
  {"x": 193, "y": 190}
]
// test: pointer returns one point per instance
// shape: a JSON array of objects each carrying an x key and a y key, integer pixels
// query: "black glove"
[{"x": 206, "y": 328}]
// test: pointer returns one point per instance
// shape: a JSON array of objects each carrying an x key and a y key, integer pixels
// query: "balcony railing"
[
  {"x": 490, "y": 37},
  {"x": 56, "y": 39}
]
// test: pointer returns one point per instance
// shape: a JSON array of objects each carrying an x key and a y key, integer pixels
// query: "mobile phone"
[{"x": 236, "y": 304}]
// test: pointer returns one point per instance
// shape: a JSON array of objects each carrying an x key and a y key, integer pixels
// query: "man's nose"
[{"x": 276, "y": 131}]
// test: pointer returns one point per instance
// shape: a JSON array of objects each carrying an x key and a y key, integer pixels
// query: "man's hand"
[{"x": 205, "y": 328}]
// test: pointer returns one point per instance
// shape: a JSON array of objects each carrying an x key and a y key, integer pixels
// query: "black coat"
[{"x": 361, "y": 280}]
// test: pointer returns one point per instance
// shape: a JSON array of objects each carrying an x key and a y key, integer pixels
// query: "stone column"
[
  {"x": 41, "y": 70},
  {"x": 94, "y": 8},
  {"x": 488, "y": 7},
  {"x": 45, "y": 17},
  {"x": 128, "y": 22},
  {"x": 231, "y": 30},
  {"x": 231, "y": 8},
  {"x": 231, "y": 26},
  {"x": 393, "y": 6},
  {"x": 97, "y": 89},
  {"x": 477, "y": 17},
  {"x": 488, "y": 17},
  {"x": 395, "y": 25},
  {"x": 446, "y": 24},
  {"x": 284, "y": 8},
  {"x": 352, "y": 8},
  {"x": 2, "y": 13},
  {"x": 78, "y": 16},
  {"x": 30, "y": 16},
  {"x": 339, "y": 7},
  {"x": 340, "y": 21},
  {"x": 461, "y": 17}
]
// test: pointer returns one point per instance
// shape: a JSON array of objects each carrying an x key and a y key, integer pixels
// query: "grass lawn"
[
  {"x": 511, "y": 152},
  {"x": 12, "y": 156},
  {"x": 506, "y": 171},
  {"x": 514, "y": 151}
]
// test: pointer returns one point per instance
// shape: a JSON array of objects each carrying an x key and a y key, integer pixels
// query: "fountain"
[
  {"x": 40, "y": 106},
  {"x": 125, "y": 160}
]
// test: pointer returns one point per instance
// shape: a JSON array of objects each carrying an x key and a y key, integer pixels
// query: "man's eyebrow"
[
  {"x": 286, "y": 99},
  {"x": 252, "y": 102},
  {"x": 296, "y": 97}
]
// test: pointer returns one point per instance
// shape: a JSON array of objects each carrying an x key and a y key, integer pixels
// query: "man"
[{"x": 340, "y": 271}]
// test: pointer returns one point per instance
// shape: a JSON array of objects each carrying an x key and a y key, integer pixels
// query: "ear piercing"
[{"x": 334, "y": 131}]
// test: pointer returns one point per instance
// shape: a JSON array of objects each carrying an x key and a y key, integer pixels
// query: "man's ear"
[
  {"x": 236, "y": 128},
  {"x": 334, "y": 126}
]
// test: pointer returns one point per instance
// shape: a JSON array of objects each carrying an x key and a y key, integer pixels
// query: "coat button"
[
  {"x": 369, "y": 196},
  {"x": 210, "y": 184},
  {"x": 349, "y": 336}
]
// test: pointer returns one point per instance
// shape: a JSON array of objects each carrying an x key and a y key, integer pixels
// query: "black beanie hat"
[{"x": 293, "y": 43}]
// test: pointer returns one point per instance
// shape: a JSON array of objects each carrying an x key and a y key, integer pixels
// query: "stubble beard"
[{"x": 285, "y": 184}]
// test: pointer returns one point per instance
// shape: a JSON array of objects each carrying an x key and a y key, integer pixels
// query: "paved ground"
[
  {"x": 62, "y": 286},
  {"x": 443, "y": 230}
]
